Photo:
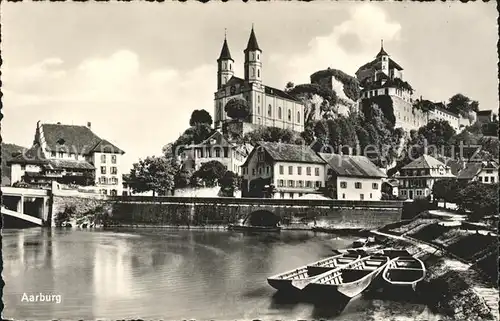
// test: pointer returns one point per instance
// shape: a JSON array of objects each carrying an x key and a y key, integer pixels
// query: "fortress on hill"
[{"x": 272, "y": 107}]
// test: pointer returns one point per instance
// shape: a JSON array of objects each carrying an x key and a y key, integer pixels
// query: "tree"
[
  {"x": 210, "y": 173},
  {"x": 237, "y": 108},
  {"x": 490, "y": 129},
  {"x": 152, "y": 174},
  {"x": 446, "y": 190},
  {"x": 461, "y": 104},
  {"x": 424, "y": 105},
  {"x": 437, "y": 132},
  {"x": 229, "y": 183},
  {"x": 272, "y": 134},
  {"x": 200, "y": 117},
  {"x": 480, "y": 199},
  {"x": 193, "y": 135}
]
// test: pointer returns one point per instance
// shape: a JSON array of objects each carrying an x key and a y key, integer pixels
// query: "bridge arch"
[{"x": 262, "y": 218}]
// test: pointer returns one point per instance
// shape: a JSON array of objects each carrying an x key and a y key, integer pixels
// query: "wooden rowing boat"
[
  {"x": 404, "y": 272},
  {"x": 250, "y": 228},
  {"x": 283, "y": 281},
  {"x": 331, "y": 263},
  {"x": 347, "y": 281}
]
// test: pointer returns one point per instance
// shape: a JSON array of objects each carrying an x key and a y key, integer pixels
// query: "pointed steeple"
[
  {"x": 224, "y": 53},
  {"x": 252, "y": 42},
  {"x": 382, "y": 51}
]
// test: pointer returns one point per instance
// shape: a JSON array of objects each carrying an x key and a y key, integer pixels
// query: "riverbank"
[{"x": 454, "y": 285}]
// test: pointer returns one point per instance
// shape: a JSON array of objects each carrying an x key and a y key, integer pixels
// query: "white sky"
[{"x": 137, "y": 70}]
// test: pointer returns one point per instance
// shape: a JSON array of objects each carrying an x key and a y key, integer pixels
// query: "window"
[
  {"x": 361, "y": 196},
  {"x": 253, "y": 171},
  {"x": 289, "y": 115},
  {"x": 375, "y": 186},
  {"x": 316, "y": 171},
  {"x": 269, "y": 110},
  {"x": 53, "y": 154},
  {"x": 113, "y": 159},
  {"x": 217, "y": 152},
  {"x": 343, "y": 184},
  {"x": 281, "y": 183},
  {"x": 113, "y": 170},
  {"x": 103, "y": 158},
  {"x": 300, "y": 183},
  {"x": 258, "y": 99},
  {"x": 226, "y": 151},
  {"x": 258, "y": 73},
  {"x": 308, "y": 171},
  {"x": 114, "y": 192},
  {"x": 244, "y": 170},
  {"x": 343, "y": 195},
  {"x": 486, "y": 179},
  {"x": 300, "y": 194},
  {"x": 268, "y": 169},
  {"x": 480, "y": 179},
  {"x": 308, "y": 184},
  {"x": 370, "y": 195},
  {"x": 281, "y": 169},
  {"x": 61, "y": 154},
  {"x": 23, "y": 167},
  {"x": 105, "y": 192},
  {"x": 299, "y": 170},
  {"x": 291, "y": 195},
  {"x": 257, "y": 56},
  {"x": 298, "y": 117},
  {"x": 103, "y": 169},
  {"x": 102, "y": 180},
  {"x": 489, "y": 171},
  {"x": 291, "y": 183},
  {"x": 387, "y": 91},
  {"x": 318, "y": 184},
  {"x": 357, "y": 185},
  {"x": 282, "y": 195},
  {"x": 258, "y": 110},
  {"x": 279, "y": 112},
  {"x": 290, "y": 170},
  {"x": 260, "y": 170},
  {"x": 71, "y": 155},
  {"x": 492, "y": 179}
]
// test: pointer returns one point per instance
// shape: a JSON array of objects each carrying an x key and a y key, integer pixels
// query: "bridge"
[{"x": 25, "y": 206}]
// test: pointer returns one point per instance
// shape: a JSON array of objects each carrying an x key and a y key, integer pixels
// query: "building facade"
[
  {"x": 215, "y": 148},
  {"x": 72, "y": 155},
  {"x": 285, "y": 170},
  {"x": 484, "y": 172},
  {"x": 269, "y": 106},
  {"x": 353, "y": 177},
  {"x": 417, "y": 178}
]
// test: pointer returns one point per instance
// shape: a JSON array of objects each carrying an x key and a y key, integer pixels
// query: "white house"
[
  {"x": 69, "y": 154},
  {"x": 484, "y": 172},
  {"x": 293, "y": 170},
  {"x": 354, "y": 177}
]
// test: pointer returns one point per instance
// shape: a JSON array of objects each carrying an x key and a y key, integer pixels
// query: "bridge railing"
[{"x": 255, "y": 201}]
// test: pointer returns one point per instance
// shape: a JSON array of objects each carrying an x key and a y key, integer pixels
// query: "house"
[
  {"x": 485, "y": 116},
  {"x": 391, "y": 187},
  {"x": 280, "y": 170},
  {"x": 353, "y": 177},
  {"x": 441, "y": 113},
  {"x": 417, "y": 178},
  {"x": 485, "y": 172},
  {"x": 72, "y": 155},
  {"x": 215, "y": 148},
  {"x": 269, "y": 106}
]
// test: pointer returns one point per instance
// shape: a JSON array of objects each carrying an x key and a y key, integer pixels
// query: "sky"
[{"x": 137, "y": 70}]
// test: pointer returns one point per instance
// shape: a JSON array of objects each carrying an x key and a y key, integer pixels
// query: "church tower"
[
  {"x": 225, "y": 64},
  {"x": 253, "y": 60},
  {"x": 384, "y": 59}
]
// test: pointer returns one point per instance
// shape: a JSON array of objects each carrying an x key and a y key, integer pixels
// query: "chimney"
[{"x": 89, "y": 124}]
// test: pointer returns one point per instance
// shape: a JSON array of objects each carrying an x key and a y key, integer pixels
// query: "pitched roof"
[
  {"x": 423, "y": 162},
  {"x": 69, "y": 164},
  {"x": 224, "y": 53},
  {"x": 217, "y": 139},
  {"x": 376, "y": 64},
  {"x": 104, "y": 146},
  {"x": 444, "y": 110},
  {"x": 279, "y": 93},
  {"x": 474, "y": 168},
  {"x": 352, "y": 166},
  {"x": 382, "y": 52},
  {"x": 252, "y": 42},
  {"x": 33, "y": 155},
  {"x": 72, "y": 138},
  {"x": 484, "y": 112},
  {"x": 281, "y": 152}
]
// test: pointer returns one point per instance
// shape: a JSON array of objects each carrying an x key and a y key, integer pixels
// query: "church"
[{"x": 269, "y": 107}]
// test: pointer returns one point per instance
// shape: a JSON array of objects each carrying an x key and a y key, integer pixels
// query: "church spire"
[
  {"x": 382, "y": 51},
  {"x": 224, "y": 53},
  {"x": 252, "y": 42}
]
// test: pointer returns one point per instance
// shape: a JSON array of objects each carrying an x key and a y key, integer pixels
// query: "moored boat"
[
  {"x": 283, "y": 281},
  {"x": 404, "y": 272},
  {"x": 251, "y": 228},
  {"x": 347, "y": 281},
  {"x": 333, "y": 262}
]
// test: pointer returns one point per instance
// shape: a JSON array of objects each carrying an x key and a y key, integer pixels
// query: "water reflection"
[{"x": 169, "y": 274}]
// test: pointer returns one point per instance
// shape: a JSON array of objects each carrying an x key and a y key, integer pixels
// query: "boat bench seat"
[{"x": 408, "y": 269}]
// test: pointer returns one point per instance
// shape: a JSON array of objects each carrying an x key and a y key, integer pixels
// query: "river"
[{"x": 171, "y": 274}]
